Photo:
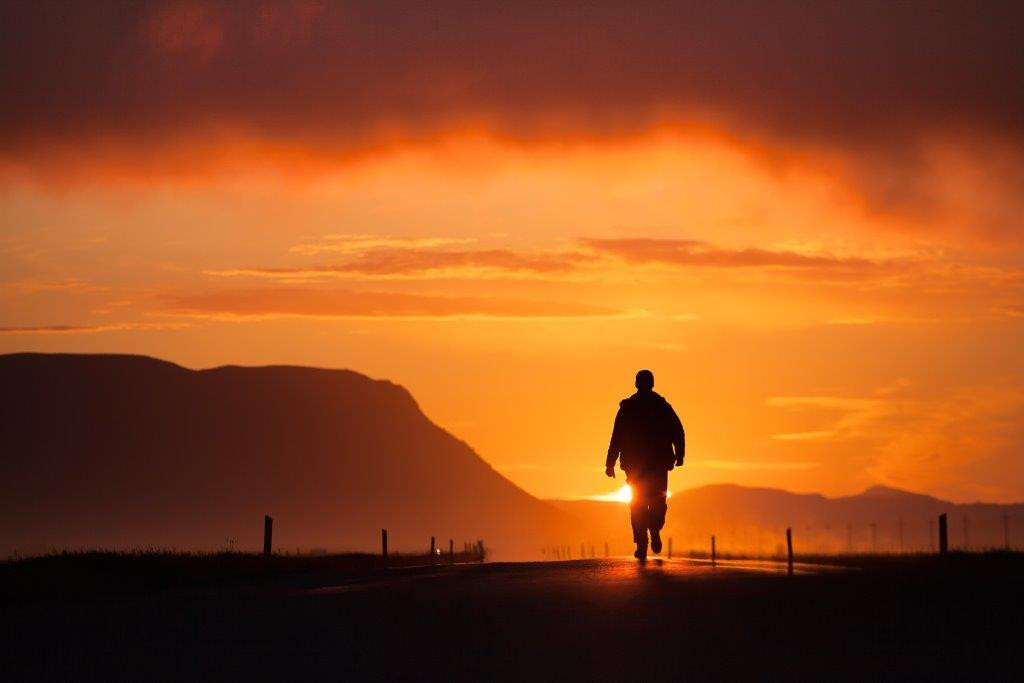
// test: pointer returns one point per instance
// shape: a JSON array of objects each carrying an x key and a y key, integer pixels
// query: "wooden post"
[
  {"x": 713, "y": 550},
  {"x": 384, "y": 543},
  {"x": 268, "y": 534},
  {"x": 670, "y": 547},
  {"x": 789, "y": 551},
  {"x": 451, "y": 550},
  {"x": 433, "y": 548},
  {"x": 943, "y": 541}
]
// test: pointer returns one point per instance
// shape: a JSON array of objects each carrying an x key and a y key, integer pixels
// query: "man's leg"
[
  {"x": 655, "y": 493},
  {"x": 638, "y": 516}
]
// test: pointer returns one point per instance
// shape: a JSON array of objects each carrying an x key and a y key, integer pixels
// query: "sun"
[{"x": 623, "y": 494}]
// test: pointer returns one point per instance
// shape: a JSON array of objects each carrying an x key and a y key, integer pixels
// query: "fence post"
[
  {"x": 268, "y": 534},
  {"x": 451, "y": 550},
  {"x": 943, "y": 542},
  {"x": 670, "y": 547},
  {"x": 789, "y": 551},
  {"x": 713, "y": 550},
  {"x": 433, "y": 548},
  {"x": 384, "y": 543}
]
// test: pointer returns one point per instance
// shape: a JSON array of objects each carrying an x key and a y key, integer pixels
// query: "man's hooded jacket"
[{"x": 646, "y": 429}]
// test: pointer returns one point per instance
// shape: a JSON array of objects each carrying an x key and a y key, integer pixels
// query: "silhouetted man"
[{"x": 646, "y": 432}]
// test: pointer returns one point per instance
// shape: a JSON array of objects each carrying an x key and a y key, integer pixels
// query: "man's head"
[{"x": 645, "y": 380}]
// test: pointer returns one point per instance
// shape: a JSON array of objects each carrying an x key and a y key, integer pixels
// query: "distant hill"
[
  {"x": 127, "y": 451},
  {"x": 754, "y": 520}
]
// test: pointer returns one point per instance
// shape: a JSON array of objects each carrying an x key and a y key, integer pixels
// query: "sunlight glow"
[{"x": 621, "y": 495}]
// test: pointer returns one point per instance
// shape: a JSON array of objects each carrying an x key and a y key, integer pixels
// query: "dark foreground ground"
[{"x": 610, "y": 619}]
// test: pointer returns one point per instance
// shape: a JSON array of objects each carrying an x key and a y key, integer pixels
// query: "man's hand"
[
  {"x": 610, "y": 471},
  {"x": 679, "y": 460}
]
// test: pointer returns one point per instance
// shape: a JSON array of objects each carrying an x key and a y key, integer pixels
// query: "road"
[{"x": 608, "y": 619}]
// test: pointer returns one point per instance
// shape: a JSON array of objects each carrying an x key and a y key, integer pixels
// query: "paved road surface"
[{"x": 608, "y": 619}]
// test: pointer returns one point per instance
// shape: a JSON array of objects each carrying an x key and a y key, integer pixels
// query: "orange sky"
[{"x": 826, "y": 308}]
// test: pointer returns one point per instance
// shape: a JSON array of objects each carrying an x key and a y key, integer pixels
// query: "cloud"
[
  {"x": 873, "y": 79},
  {"x": 414, "y": 262},
  {"x": 318, "y": 303},
  {"x": 805, "y": 436},
  {"x": 935, "y": 441},
  {"x": 90, "y": 329},
  {"x": 744, "y": 465},
  {"x": 684, "y": 252},
  {"x": 348, "y": 244},
  {"x": 35, "y": 286},
  {"x": 384, "y": 258}
]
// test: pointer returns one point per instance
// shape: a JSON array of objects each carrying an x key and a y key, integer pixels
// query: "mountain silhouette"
[
  {"x": 746, "y": 519},
  {"x": 122, "y": 452}
]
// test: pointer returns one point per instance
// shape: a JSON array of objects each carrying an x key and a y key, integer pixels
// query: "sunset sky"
[{"x": 806, "y": 218}]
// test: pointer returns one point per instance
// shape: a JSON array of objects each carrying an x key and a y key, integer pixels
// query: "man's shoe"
[
  {"x": 641, "y": 551},
  {"x": 655, "y": 541}
]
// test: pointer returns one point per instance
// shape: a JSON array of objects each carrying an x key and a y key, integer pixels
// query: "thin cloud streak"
[
  {"x": 597, "y": 255},
  {"x": 742, "y": 465},
  {"x": 805, "y": 436},
  {"x": 683, "y": 252},
  {"x": 425, "y": 263},
  {"x": 350, "y": 244},
  {"x": 239, "y": 304},
  {"x": 91, "y": 329}
]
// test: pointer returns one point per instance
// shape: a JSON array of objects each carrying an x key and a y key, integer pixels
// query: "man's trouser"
[{"x": 648, "y": 506}]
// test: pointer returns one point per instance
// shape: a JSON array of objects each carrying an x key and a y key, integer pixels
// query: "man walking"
[{"x": 648, "y": 440}]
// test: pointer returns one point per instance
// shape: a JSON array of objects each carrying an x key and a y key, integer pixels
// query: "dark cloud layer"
[{"x": 875, "y": 73}]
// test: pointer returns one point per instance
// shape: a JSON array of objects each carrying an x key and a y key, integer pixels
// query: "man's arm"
[
  {"x": 614, "y": 445},
  {"x": 678, "y": 437}
]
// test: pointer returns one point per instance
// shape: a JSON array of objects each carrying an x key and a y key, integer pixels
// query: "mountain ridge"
[{"x": 131, "y": 451}]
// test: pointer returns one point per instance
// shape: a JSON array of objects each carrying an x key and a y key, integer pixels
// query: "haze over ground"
[
  {"x": 804, "y": 218},
  {"x": 128, "y": 452}
]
